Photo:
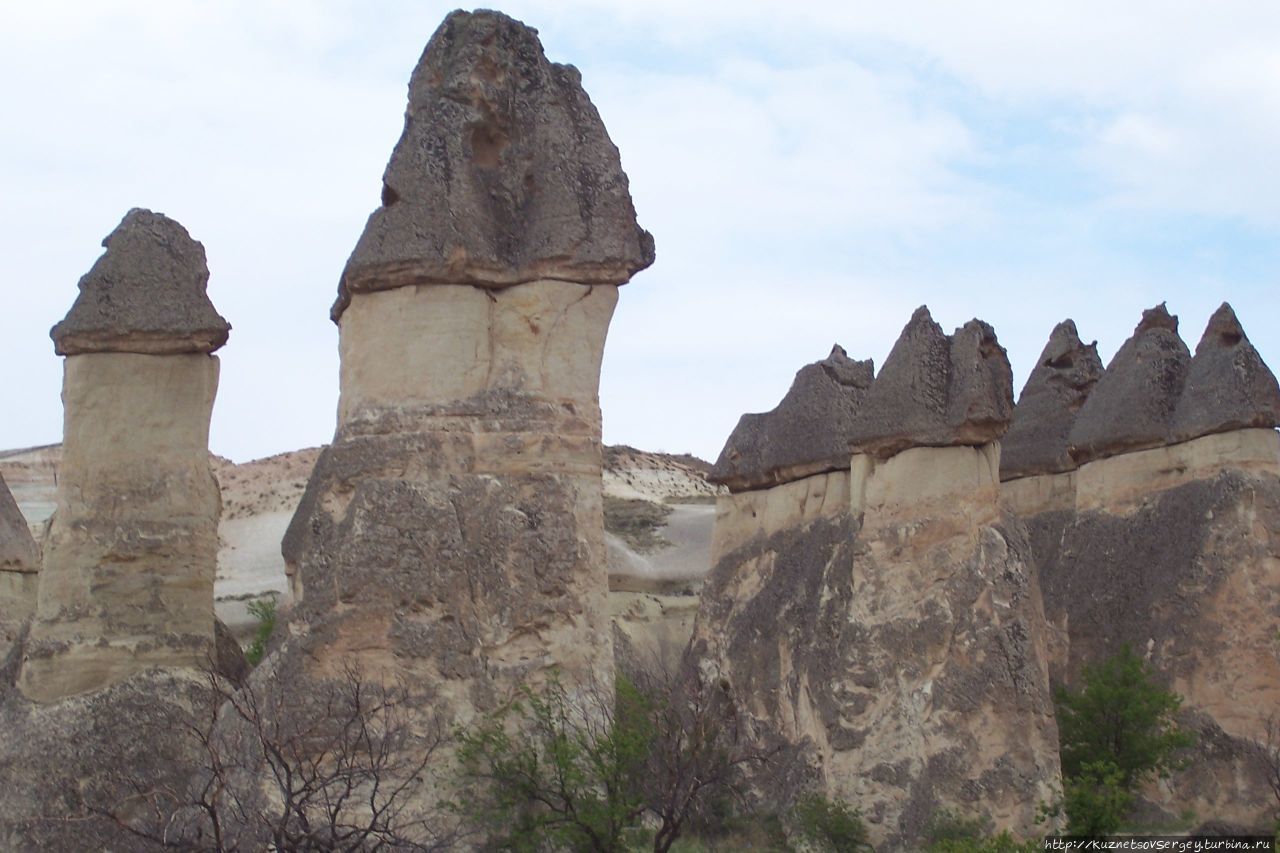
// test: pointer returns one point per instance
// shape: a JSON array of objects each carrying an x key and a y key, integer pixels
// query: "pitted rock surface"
[
  {"x": 807, "y": 433},
  {"x": 146, "y": 294},
  {"x": 504, "y": 173},
  {"x": 937, "y": 391},
  {"x": 1132, "y": 406},
  {"x": 1228, "y": 385},
  {"x": 1057, "y": 388}
]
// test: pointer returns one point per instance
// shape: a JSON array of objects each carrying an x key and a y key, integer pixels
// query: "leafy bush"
[
  {"x": 830, "y": 824},
  {"x": 1116, "y": 732},
  {"x": 264, "y": 610},
  {"x": 950, "y": 832}
]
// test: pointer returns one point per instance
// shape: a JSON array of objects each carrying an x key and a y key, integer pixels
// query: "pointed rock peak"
[
  {"x": 18, "y": 552},
  {"x": 848, "y": 371},
  {"x": 146, "y": 294},
  {"x": 1133, "y": 404},
  {"x": 1224, "y": 330},
  {"x": 1157, "y": 318},
  {"x": 1228, "y": 386},
  {"x": 806, "y": 433},
  {"x": 1056, "y": 390},
  {"x": 504, "y": 173},
  {"x": 936, "y": 390}
]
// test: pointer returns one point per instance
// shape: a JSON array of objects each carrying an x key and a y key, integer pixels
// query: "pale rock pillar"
[
  {"x": 453, "y": 530},
  {"x": 127, "y": 577},
  {"x": 944, "y": 688}
]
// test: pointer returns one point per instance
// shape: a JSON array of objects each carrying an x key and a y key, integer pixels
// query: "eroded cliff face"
[
  {"x": 885, "y": 621},
  {"x": 1172, "y": 548},
  {"x": 452, "y": 533}
]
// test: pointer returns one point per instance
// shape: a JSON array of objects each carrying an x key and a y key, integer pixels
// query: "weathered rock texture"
[
  {"x": 936, "y": 391},
  {"x": 1228, "y": 386},
  {"x": 453, "y": 532},
  {"x": 1065, "y": 373},
  {"x": 1132, "y": 406},
  {"x": 146, "y": 294},
  {"x": 504, "y": 174},
  {"x": 1175, "y": 551},
  {"x": 129, "y": 561},
  {"x": 886, "y": 621},
  {"x": 1166, "y": 539},
  {"x": 807, "y": 433},
  {"x": 19, "y": 565}
]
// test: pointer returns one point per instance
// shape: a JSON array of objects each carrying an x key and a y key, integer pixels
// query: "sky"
[{"x": 811, "y": 174}]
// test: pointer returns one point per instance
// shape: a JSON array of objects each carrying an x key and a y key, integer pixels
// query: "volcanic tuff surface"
[
  {"x": 1132, "y": 405},
  {"x": 146, "y": 294},
  {"x": 504, "y": 174},
  {"x": 808, "y": 432},
  {"x": 1061, "y": 381},
  {"x": 936, "y": 390}
]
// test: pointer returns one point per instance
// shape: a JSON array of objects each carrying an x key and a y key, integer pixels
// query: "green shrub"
[
  {"x": 830, "y": 824},
  {"x": 264, "y": 610},
  {"x": 1115, "y": 732},
  {"x": 950, "y": 832}
]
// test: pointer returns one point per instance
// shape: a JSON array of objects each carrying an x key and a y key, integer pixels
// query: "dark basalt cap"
[
  {"x": 1131, "y": 407},
  {"x": 18, "y": 552},
  {"x": 504, "y": 174},
  {"x": 146, "y": 294},
  {"x": 1036, "y": 442},
  {"x": 937, "y": 391},
  {"x": 805, "y": 434},
  {"x": 1228, "y": 385}
]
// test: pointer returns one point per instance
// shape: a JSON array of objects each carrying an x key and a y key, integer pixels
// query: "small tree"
[
  {"x": 830, "y": 824},
  {"x": 579, "y": 768},
  {"x": 1115, "y": 732}
]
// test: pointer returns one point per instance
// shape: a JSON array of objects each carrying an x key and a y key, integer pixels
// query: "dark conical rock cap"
[
  {"x": 146, "y": 294},
  {"x": 1132, "y": 406},
  {"x": 18, "y": 552},
  {"x": 1228, "y": 384},
  {"x": 1057, "y": 388},
  {"x": 937, "y": 391},
  {"x": 806, "y": 433},
  {"x": 504, "y": 173}
]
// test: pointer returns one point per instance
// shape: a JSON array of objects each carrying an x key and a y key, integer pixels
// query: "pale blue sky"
[{"x": 810, "y": 174}]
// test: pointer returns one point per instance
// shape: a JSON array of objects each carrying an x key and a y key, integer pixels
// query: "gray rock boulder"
[
  {"x": 1133, "y": 404},
  {"x": 807, "y": 433},
  {"x": 936, "y": 391},
  {"x": 146, "y": 294},
  {"x": 504, "y": 173},
  {"x": 1228, "y": 385},
  {"x": 1065, "y": 374}
]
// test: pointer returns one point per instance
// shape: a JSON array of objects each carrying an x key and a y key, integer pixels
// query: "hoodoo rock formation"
[
  {"x": 807, "y": 433},
  {"x": 452, "y": 533},
  {"x": 19, "y": 567},
  {"x": 127, "y": 578},
  {"x": 1172, "y": 549},
  {"x": 887, "y": 620},
  {"x": 112, "y": 674}
]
